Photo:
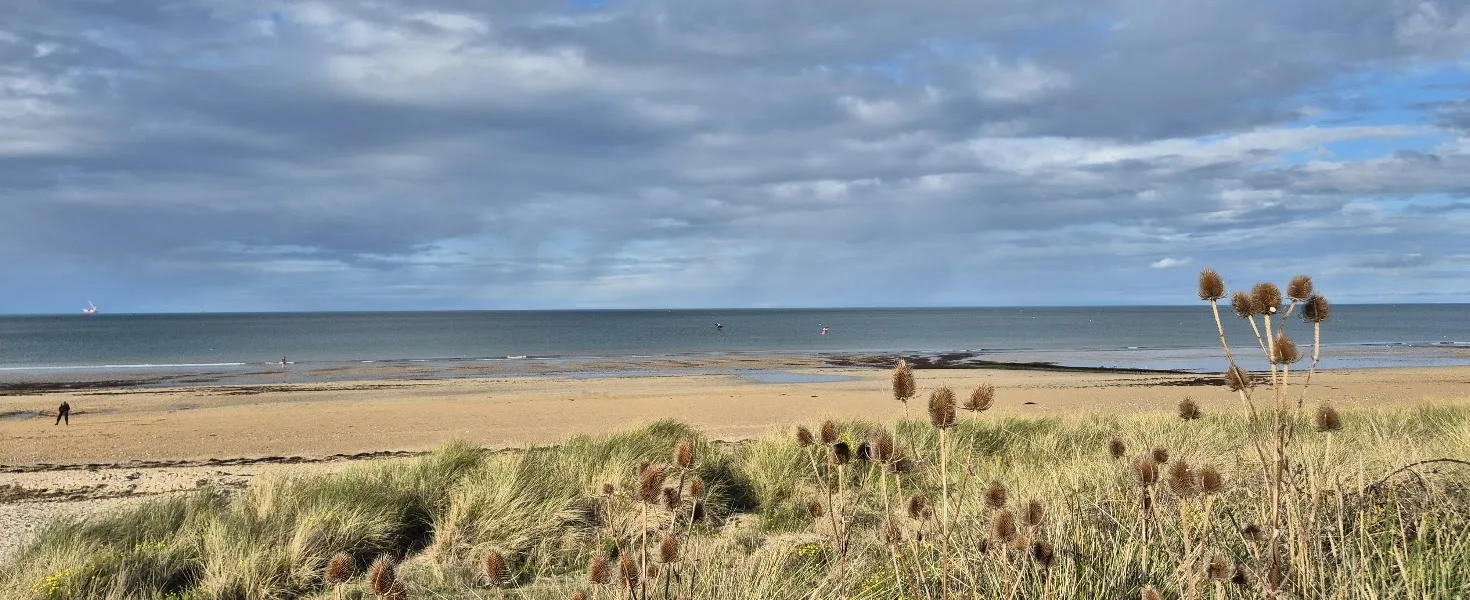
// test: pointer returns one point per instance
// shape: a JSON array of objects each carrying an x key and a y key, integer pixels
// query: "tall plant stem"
[
  {"x": 1316, "y": 355},
  {"x": 887, "y": 520},
  {"x": 643, "y": 555},
  {"x": 944, "y": 515}
]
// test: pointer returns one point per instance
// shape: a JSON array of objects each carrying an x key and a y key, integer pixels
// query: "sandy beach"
[{"x": 130, "y": 443}]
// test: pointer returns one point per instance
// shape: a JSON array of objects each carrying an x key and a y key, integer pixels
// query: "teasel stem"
[
  {"x": 643, "y": 555},
  {"x": 1316, "y": 355},
  {"x": 831, "y": 502},
  {"x": 944, "y": 515}
]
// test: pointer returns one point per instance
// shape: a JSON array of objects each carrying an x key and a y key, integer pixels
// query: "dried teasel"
[
  {"x": 650, "y": 486},
  {"x": 671, "y": 498},
  {"x": 864, "y": 452},
  {"x": 1160, "y": 455},
  {"x": 1328, "y": 419},
  {"x": 828, "y": 433},
  {"x": 696, "y": 487},
  {"x": 1251, "y": 532},
  {"x": 1181, "y": 480},
  {"x": 1300, "y": 288},
  {"x": 981, "y": 398},
  {"x": 917, "y": 504},
  {"x": 608, "y": 489},
  {"x": 1035, "y": 513},
  {"x": 579, "y": 595},
  {"x": 1210, "y": 481},
  {"x": 381, "y": 576},
  {"x": 697, "y": 513},
  {"x": 1237, "y": 379},
  {"x": 1284, "y": 351},
  {"x": 684, "y": 454},
  {"x": 1116, "y": 448},
  {"x": 841, "y": 453},
  {"x": 814, "y": 509},
  {"x": 1211, "y": 287},
  {"x": 1189, "y": 410},
  {"x": 883, "y": 447},
  {"x": 1265, "y": 299},
  {"x": 1218, "y": 568},
  {"x": 891, "y": 533},
  {"x": 628, "y": 570},
  {"x": 1003, "y": 525},
  {"x": 597, "y": 572},
  {"x": 1316, "y": 309},
  {"x": 397, "y": 591},
  {"x": 497, "y": 572},
  {"x": 803, "y": 436},
  {"x": 903, "y": 382},
  {"x": 1242, "y": 305},
  {"x": 1146, "y": 471},
  {"x": 668, "y": 550},
  {"x": 941, "y": 408},
  {"x": 1241, "y": 577},
  {"x": 339, "y": 568},
  {"x": 928, "y": 514},
  {"x": 1042, "y": 553},
  {"x": 651, "y": 571},
  {"x": 1149, "y": 593},
  {"x": 901, "y": 464},
  {"x": 995, "y": 495}
]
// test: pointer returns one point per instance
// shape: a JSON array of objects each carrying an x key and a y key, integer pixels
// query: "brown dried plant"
[
  {"x": 1149, "y": 593},
  {"x": 1218, "y": 568},
  {"x": 1316, "y": 309},
  {"x": 995, "y": 495},
  {"x": 883, "y": 447},
  {"x": 598, "y": 572},
  {"x": 650, "y": 486},
  {"x": 1181, "y": 479},
  {"x": 1211, "y": 287},
  {"x": 1265, "y": 299},
  {"x": 684, "y": 455},
  {"x": 1160, "y": 455},
  {"x": 1189, "y": 410},
  {"x": 696, "y": 488},
  {"x": 814, "y": 508},
  {"x": 339, "y": 568},
  {"x": 1042, "y": 553},
  {"x": 828, "y": 433},
  {"x": 841, "y": 453},
  {"x": 1328, "y": 419},
  {"x": 671, "y": 498},
  {"x": 381, "y": 576},
  {"x": 629, "y": 570},
  {"x": 916, "y": 505},
  {"x": 803, "y": 436},
  {"x": 1300, "y": 288},
  {"x": 608, "y": 489},
  {"x": 1146, "y": 471},
  {"x": 1035, "y": 513},
  {"x": 1284, "y": 351},
  {"x": 981, "y": 398},
  {"x": 497, "y": 572},
  {"x": 941, "y": 408},
  {"x": 1241, "y": 305},
  {"x": 579, "y": 595},
  {"x": 903, "y": 383},
  {"x": 668, "y": 550},
  {"x": 1238, "y": 380},
  {"x": 1210, "y": 480},
  {"x": 1116, "y": 448},
  {"x": 1003, "y": 525}
]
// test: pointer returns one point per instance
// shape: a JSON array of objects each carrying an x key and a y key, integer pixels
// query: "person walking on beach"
[{"x": 63, "y": 412}]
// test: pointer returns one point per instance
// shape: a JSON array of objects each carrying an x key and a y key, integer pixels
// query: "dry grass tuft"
[
  {"x": 1189, "y": 410},
  {"x": 1300, "y": 288},
  {"x": 981, "y": 398},
  {"x": 941, "y": 408},
  {"x": 1328, "y": 419},
  {"x": 1211, "y": 287}
]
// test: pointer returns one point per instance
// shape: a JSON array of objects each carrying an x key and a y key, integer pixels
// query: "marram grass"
[{"x": 439, "y": 517}]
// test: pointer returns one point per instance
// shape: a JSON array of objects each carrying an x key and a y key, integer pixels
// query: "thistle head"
[
  {"x": 650, "y": 486},
  {"x": 803, "y": 436},
  {"x": 1181, "y": 480},
  {"x": 597, "y": 572},
  {"x": 941, "y": 408},
  {"x": 1211, "y": 287},
  {"x": 1189, "y": 410},
  {"x": 903, "y": 382},
  {"x": 628, "y": 570},
  {"x": 883, "y": 447},
  {"x": 339, "y": 569},
  {"x": 671, "y": 498},
  {"x": 1160, "y": 455},
  {"x": 1284, "y": 351},
  {"x": 841, "y": 453},
  {"x": 1035, "y": 513},
  {"x": 497, "y": 572},
  {"x": 1003, "y": 525},
  {"x": 828, "y": 433},
  {"x": 381, "y": 576},
  {"x": 980, "y": 398},
  {"x": 995, "y": 495},
  {"x": 1218, "y": 568},
  {"x": 1316, "y": 310},
  {"x": 1328, "y": 419},
  {"x": 1149, "y": 593},
  {"x": 1116, "y": 448},
  {"x": 1265, "y": 299},
  {"x": 916, "y": 505},
  {"x": 1300, "y": 288},
  {"x": 814, "y": 509},
  {"x": 668, "y": 550},
  {"x": 1146, "y": 471},
  {"x": 1042, "y": 553},
  {"x": 1210, "y": 480},
  {"x": 1237, "y": 379},
  {"x": 696, "y": 487},
  {"x": 684, "y": 454},
  {"x": 1241, "y": 305}
]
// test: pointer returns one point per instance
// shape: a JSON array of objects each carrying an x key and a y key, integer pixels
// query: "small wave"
[
  {"x": 138, "y": 366},
  {"x": 516, "y": 357}
]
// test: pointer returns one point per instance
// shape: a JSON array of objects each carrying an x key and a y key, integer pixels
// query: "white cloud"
[{"x": 1170, "y": 263}]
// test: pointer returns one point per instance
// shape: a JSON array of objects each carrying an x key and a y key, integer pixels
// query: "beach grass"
[{"x": 1075, "y": 522}]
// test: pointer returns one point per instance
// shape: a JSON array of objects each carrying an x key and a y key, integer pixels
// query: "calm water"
[{"x": 1155, "y": 337}]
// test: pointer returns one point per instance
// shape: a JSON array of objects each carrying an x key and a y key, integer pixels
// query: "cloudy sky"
[{"x": 223, "y": 155}]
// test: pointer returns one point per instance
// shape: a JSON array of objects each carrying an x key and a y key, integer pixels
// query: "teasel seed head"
[
  {"x": 651, "y": 572},
  {"x": 597, "y": 572},
  {"x": 579, "y": 595},
  {"x": 1160, "y": 455},
  {"x": 1316, "y": 309},
  {"x": 927, "y": 514},
  {"x": 629, "y": 570},
  {"x": 1265, "y": 299},
  {"x": 891, "y": 533},
  {"x": 917, "y": 504},
  {"x": 1003, "y": 525},
  {"x": 698, "y": 511},
  {"x": 650, "y": 486},
  {"x": 1300, "y": 288},
  {"x": 883, "y": 447},
  {"x": 1242, "y": 305},
  {"x": 1149, "y": 593},
  {"x": 497, "y": 572},
  {"x": 668, "y": 550},
  {"x": 981, "y": 398},
  {"x": 1211, "y": 287},
  {"x": 829, "y": 433},
  {"x": 1116, "y": 448},
  {"x": 1251, "y": 532},
  {"x": 1284, "y": 351},
  {"x": 841, "y": 453},
  {"x": 1035, "y": 512},
  {"x": 397, "y": 591},
  {"x": 1181, "y": 480},
  {"x": 1219, "y": 568},
  {"x": 339, "y": 569},
  {"x": 1328, "y": 419},
  {"x": 1189, "y": 410},
  {"x": 381, "y": 576},
  {"x": 671, "y": 498},
  {"x": 1020, "y": 545},
  {"x": 864, "y": 452},
  {"x": 1210, "y": 480},
  {"x": 1042, "y": 553},
  {"x": 814, "y": 509},
  {"x": 1237, "y": 379},
  {"x": 1146, "y": 470},
  {"x": 1241, "y": 577},
  {"x": 696, "y": 487},
  {"x": 684, "y": 454},
  {"x": 901, "y": 464},
  {"x": 995, "y": 495},
  {"x": 608, "y": 489},
  {"x": 803, "y": 436},
  {"x": 941, "y": 408},
  {"x": 903, "y": 382}
]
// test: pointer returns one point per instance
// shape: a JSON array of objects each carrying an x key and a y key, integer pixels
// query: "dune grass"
[{"x": 545, "y": 510}]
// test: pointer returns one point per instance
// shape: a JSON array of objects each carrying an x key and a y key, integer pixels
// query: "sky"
[{"x": 211, "y": 155}]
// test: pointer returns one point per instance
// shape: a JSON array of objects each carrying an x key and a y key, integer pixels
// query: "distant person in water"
[
  {"x": 63, "y": 412},
  {"x": 719, "y": 325},
  {"x": 283, "y": 362}
]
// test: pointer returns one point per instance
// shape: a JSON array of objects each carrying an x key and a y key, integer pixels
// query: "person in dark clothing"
[{"x": 64, "y": 412}]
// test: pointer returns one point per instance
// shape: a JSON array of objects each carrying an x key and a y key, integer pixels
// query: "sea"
[{"x": 1175, "y": 338}]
